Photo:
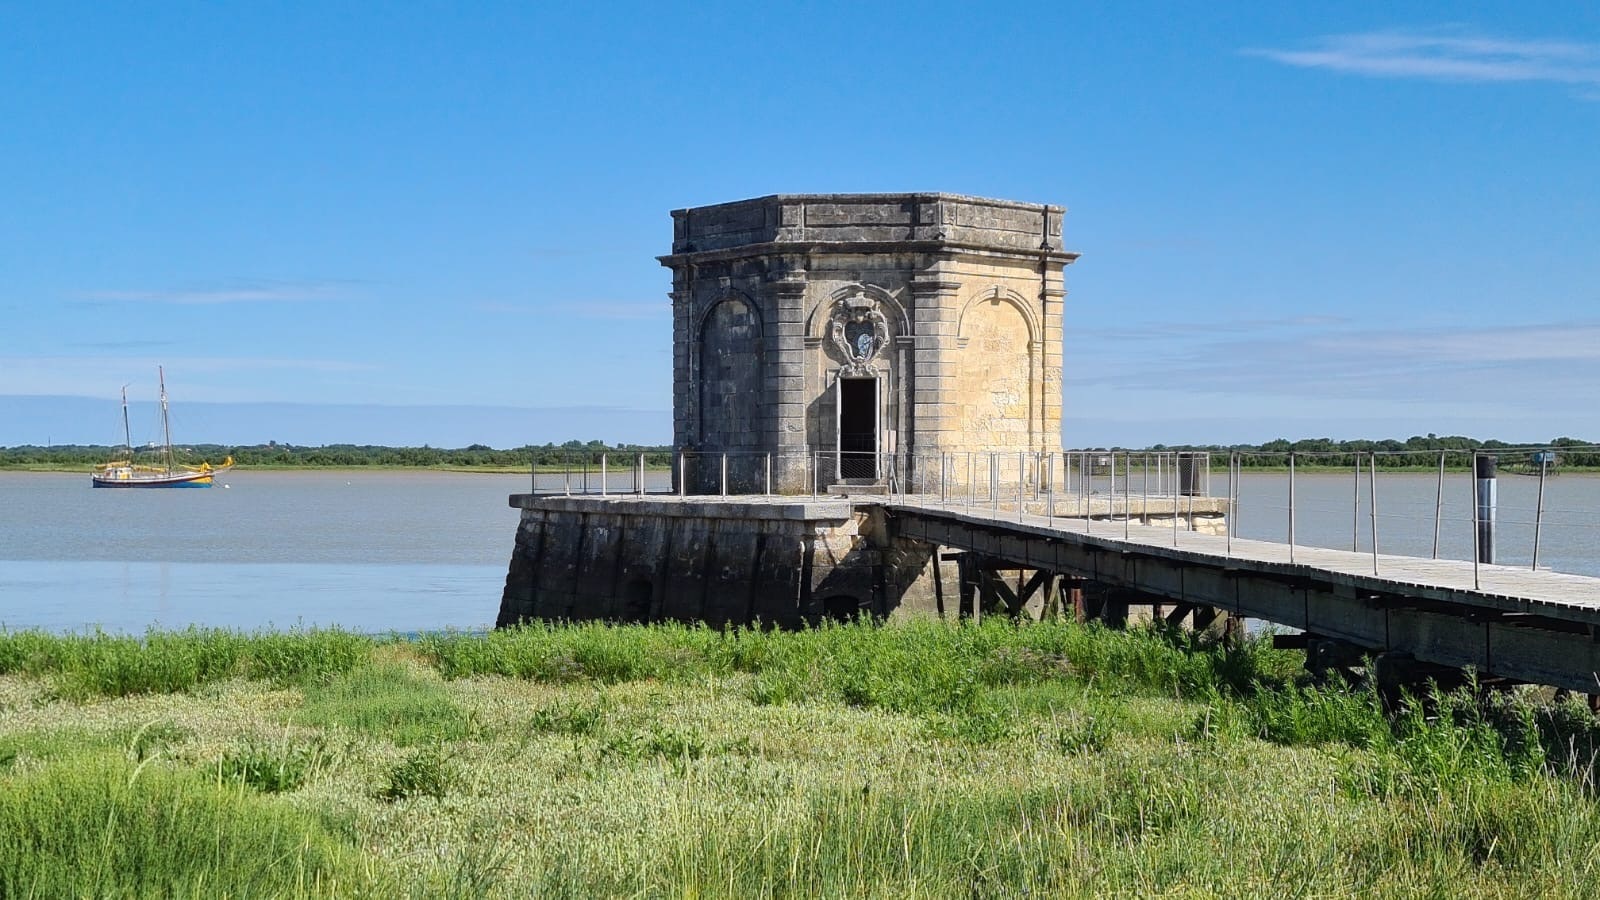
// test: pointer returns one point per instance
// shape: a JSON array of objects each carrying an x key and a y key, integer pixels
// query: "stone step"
[{"x": 863, "y": 488}]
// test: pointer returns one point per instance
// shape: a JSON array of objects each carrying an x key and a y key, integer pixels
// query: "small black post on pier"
[{"x": 1484, "y": 471}]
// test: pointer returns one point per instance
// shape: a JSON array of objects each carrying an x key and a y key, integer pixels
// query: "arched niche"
[
  {"x": 992, "y": 296},
  {"x": 996, "y": 380},
  {"x": 731, "y": 385},
  {"x": 818, "y": 323}
]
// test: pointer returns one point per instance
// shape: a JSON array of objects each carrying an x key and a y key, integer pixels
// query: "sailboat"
[{"x": 165, "y": 472}]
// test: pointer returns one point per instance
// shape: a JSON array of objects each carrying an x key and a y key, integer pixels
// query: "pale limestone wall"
[
  {"x": 995, "y": 393},
  {"x": 970, "y": 291}
]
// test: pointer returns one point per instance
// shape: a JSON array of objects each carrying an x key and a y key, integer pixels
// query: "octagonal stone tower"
[{"x": 851, "y": 339}]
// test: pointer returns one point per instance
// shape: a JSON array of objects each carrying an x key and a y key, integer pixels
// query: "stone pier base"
[
  {"x": 742, "y": 560},
  {"x": 775, "y": 560}
]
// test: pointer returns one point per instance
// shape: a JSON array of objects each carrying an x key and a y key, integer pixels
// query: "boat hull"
[{"x": 141, "y": 480}]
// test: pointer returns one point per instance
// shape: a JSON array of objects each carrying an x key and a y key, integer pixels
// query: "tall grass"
[
  {"x": 920, "y": 665},
  {"x": 102, "y": 826},
  {"x": 108, "y": 665},
  {"x": 916, "y": 759},
  {"x": 386, "y": 700}
]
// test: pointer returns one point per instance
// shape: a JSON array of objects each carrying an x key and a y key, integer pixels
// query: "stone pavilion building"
[{"x": 828, "y": 340}]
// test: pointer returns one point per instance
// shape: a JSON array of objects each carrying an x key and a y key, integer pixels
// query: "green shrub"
[
  {"x": 567, "y": 718},
  {"x": 273, "y": 769},
  {"x": 386, "y": 700},
  {"x": 423, "y": 772},
  {"x": 1320, "y": 715},
  {"x": 1083, "y": 732},
  {"x": 660, "y": 741},
  {"x": 154, "y": 738}
]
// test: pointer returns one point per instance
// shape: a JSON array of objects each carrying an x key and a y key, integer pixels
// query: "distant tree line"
[
  {"x": 273, "y": 454},
  {"x": 1415, "y": 451},
  {"x": 1421, "y": 452}
]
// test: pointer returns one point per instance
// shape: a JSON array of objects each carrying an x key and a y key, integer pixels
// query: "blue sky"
[{"x": 437, "y": 223}]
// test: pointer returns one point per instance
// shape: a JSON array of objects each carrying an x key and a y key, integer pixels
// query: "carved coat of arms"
[{"x": 859, "y": 332}]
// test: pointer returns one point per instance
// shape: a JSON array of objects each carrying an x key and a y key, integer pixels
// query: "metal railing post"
[
  {"x": 1144, "y": 499},
  {"x": 1050, "y": 491},
  {"x": 947, "y": 464},
  {"x": 602, "y": 474},
  {"x": 1355, "y": 510},
  {"x": 1291, "y": 507},
  {"x": 1111, "y": 492},
  {"x": 769, "y": 473},
  {"x": 1021, "y": 485},
  {"x": 567, "y": 465},
  {"x": 972, "y": 480},
  {"x": 1175, "y": 494},
  {"x": 1144, "y": 508},
  {"x": 1472, "y": 484},
  {"x": 1227, "y": 526},
  {"x": 683, "y": 473},
  {"x": 1189, "y": 525},
  {"x": 1372, "y": 506},
  {"x": 1438, "y": 506},
  {"x": 816, "y": 463},
  {"x": 1483, "y": 476},
  {"x": 994, "y": 484},
  {"x": 724, "y": 473},
  {"x": 1127, "y": 495},
  {"x": 1538, "y": 510},
  {"x": 944, "y": 485},
  {"x": 639, "y": 483},
  {"x": 1087, "y": 485}
]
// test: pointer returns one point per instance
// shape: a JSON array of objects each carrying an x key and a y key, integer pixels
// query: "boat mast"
[
  {"x": 166, "y": 426},
  {"x": 127, "y": 436}
]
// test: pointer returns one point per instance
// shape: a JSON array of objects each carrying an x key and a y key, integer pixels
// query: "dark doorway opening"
[
  {"x": 636, "y": 598},
  {"x": 858, "y": 427},
  {"x": 842, "y": 608}
]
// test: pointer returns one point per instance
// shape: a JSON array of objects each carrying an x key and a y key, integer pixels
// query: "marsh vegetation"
[{"x": 913, "y": 760}]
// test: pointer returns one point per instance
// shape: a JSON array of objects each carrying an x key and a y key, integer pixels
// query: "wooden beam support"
[{"x": 1179, "y": 612}]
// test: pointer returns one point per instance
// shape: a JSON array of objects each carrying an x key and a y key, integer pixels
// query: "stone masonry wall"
[{"x": 786, "y": 564}]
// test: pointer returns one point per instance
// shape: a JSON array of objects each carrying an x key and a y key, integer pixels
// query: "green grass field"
[{"x": 921, "y": 759}]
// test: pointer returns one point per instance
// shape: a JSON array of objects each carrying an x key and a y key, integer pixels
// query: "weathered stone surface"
[
  {"x": 951, "y": 303},
  {"x": 691, "y": 560}
]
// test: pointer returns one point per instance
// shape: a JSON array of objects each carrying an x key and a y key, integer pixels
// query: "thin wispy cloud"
[
  {"x": 101, "y": 376},
  {"x": 1540, "y": 365},
  {"x": 242, "y": 291},
  {"x": 612, "y": 310},
  {"x": 1187, "y": 331},
  {"x": 619, "y": 311},
  {"x": 1449, "y": 55},
  {"x": 126, "y": 345}
]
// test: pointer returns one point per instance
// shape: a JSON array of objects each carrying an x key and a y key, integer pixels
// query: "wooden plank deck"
[{"x": 1555, "y": 595}]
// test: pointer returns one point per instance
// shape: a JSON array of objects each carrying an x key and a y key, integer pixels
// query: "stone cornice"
[
  {"x": 925, "y": 287},
  {"x": 911, "y": 197},
  {"x": 702, "y": 257}
]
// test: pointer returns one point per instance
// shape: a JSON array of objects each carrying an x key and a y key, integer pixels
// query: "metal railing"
[
  {"x": 1418, "y": 504},
  {"x": 1450, "y": 504},
  {"x": 973, "y": 477}
]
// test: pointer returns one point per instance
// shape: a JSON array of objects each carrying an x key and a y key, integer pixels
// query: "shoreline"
[{"x": 594, "y": 470}]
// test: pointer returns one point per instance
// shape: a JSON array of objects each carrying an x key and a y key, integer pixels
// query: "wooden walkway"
[{"x": 1537, "y": 626}]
